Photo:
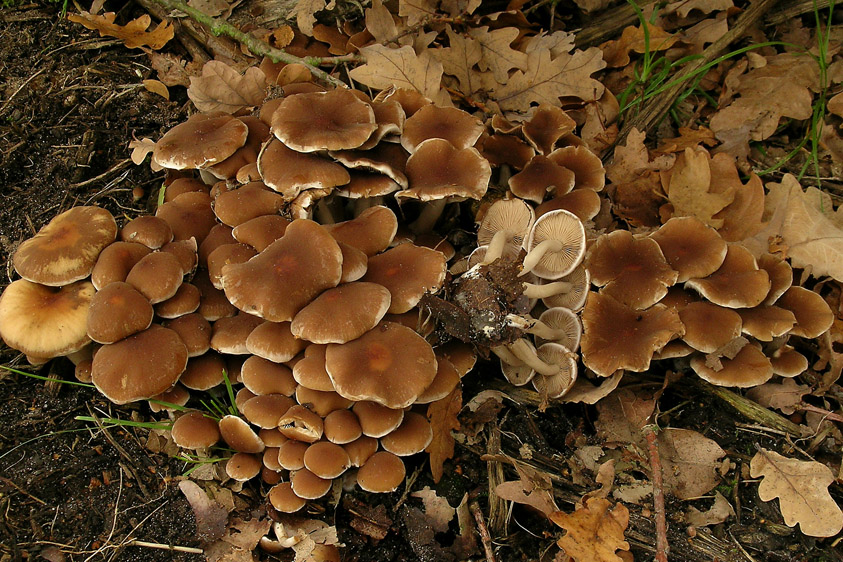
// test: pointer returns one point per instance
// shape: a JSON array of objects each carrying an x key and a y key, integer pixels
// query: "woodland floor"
[{"x": 72, "y": 491}]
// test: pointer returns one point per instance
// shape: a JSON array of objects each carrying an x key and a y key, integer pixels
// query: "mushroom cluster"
[{"x": 683, "y": 291}]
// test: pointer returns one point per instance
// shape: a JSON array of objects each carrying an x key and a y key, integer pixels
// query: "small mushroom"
[{"x": 555, "y": 245}]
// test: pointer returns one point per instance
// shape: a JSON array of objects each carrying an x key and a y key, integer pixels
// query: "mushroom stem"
[
  {"x": 533, "y": 291},
  {"x": 535, "y": 255},
  {"x": 507, "y": 356},
  {"x": 364, "y": 203},
  {"x": 535, "y": 327},
  {"x": 323, "y": 213},
  {"x": 431, "y": 211},
  {"x": 496, "y": 246},
  {"x": 523, "y": 351}
]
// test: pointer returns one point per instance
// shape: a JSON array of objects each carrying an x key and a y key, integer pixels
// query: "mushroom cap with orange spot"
[{"x": 408, "y": 272}]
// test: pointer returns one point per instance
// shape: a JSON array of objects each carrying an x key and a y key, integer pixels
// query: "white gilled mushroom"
[
  {"x": 555, "y": 245},
  {"x": 504, "y": 228}
]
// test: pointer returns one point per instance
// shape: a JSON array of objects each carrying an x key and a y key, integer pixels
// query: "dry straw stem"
[
  {"x": 653, "y": 110},
  {"x": 261, "y": 48}
]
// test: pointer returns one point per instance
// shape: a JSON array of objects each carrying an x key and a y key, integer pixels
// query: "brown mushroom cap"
[
  {"x": 219, "y": 235},
  {"x": 787, "y": 362},
  {"x": 245, "y": 203},
  {"x": 66, "y": 249},
  {"x": 140, "y": 366},
  {"x": 396, "y": 365},
  {"x": 284, "y": 499},
  {"x": 370, "y": 232},
  {"x": 115, "y": 262},
  {"x": 375, "y": 419},
  {"x": 326, "y": 459},
  {"x": 632, "y": 270},
  {"x": 286, "y": 276},
  {"x": 691, "y": 247},
  {"x": 708, "y": 327},
  {"x": 385, "y": 158},
  {"x": 148, "y": 230},
  {"x": 212, "y": 302},
  {"x": 246, "y": 154},
  {"x": 183, "y": 185},
  {"x": 456, "y": 126},
  {"x": 243, "y": 466},
  {"x": 616, "y": 336},
  {"x": 291, "y": 454},
  {"x": 813, "y": 315},
  {"x": 204, "y": 372},
  {"x": 766, "y": 322},
  {"x": 194, "y": 331},
  {"x": 239, "y": 436},
  {"x": 266, "y": 410},
  {"x": 308, "y": 486},
  {"x": 224, "y": 255},
  {"x": 301, "y": 424},
  {"x": 157, "y": 276},
  {"x": 189, "y": 215},
  {"x": 738, "y": 283},
  {"x": 447, "y": 378},
  {"x": 540, "y": 176},
  {"x": 274, "y": 341},
  {"x": 229, "y": 335},
  {"x": 265, "y": 377},
  {"x": 342, "y": 314},
  {"x": 44, "y": 321},
  {"x": 260, "y": 232},
  {"x": 411, "y": 437},
  {"x": 289, "y": 172},
  {"x": 383, "y": 472},
  {"x": 408, "y": 272},
  {"x": 185, "y": 301},
  {"x": 547, "y": 125},
  {"x": 584, "y": 203},
  {"x": 342, "y": 426},
  {"x": 361, "y": 449},
  {"x": 117, "y": 312},
  {"x": 334, "y": 120},
  {"x": 321, "y": 402},
  {"x": 587, "y": 166},
  {"x": 506, "y": 149},
  {"x": 750, "y": 367},
  {"x": 437, "y": 170},
  {"x": 201, "y": 141},
  {"x": 310, "y": 371},
  {"x": 194, "y": 430}
]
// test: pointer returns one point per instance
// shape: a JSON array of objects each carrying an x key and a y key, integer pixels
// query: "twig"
[
  {"x": 261, "y": 48},
  {"x": 662, "y": 547},
  {"x": 174, "y": 548},
  {"x": 485, "y": 538},
  {"x": 112, "y": 170},
  {"x": 21, "y": 490},
  {"x": 16, "y": 92}
]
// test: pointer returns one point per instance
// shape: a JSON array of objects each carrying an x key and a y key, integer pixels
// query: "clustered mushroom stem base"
[
  {"x": 527, "y": 355},
  {"x": 532, "y": 259},
  {"x": 496, "y": 246},
  {"x": 428, "y": 216},
  {"x": 533, "y": 291}
]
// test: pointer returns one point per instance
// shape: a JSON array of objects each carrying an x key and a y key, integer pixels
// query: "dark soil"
[{"x": 72, "y": 491}]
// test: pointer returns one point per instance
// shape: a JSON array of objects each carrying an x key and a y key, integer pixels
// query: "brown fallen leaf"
[
  {"x": 370, "y": 521},
  {"x": 689, "y": 462},
  {"x": 305, "y": 13},
  {"x": 689, "y": 188},
  {"x": 802, "y": 489},
  {"x": 221, "y": 88},
  {"x": 401, "y": 68},
  {"x": 595, "y": 532},
  {"x": 134, "y": 34},
  {"x": 157, "y": 87},
  {"x": 784, "y": 396},
  {"x": 623, "y": 414},
  {"x": 171, "y": 69},
  {"x": 443, "y": 419},
  {"x": 211, "y": 518},
  {"x": 616, "y": 53},
  {"x": 716, "y": 514},
  {"x": 437, "y": 508},
  {"x": 140, "y": 148},
  {"x": 533, "y": 488},
  {"x": 742, "y": 218},
  {"x": 459, "y": 59}
]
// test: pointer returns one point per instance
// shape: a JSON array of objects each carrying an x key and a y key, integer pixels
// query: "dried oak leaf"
[
  {"x": 689, "y": 462},
  {"x": 716, "y": 514},
  {"x": 497, "y": 56},
  {"x": 742, "y": 218},
  {"x": 140, "y": 148},
  {"x": 171, "y": 69},
  {"x": 459, "y": 58},
  {"x": 546, "y": 79},
  {"x": 533, "y": 488},
  {"x": 222, "y": 88},
  {"x": 802, "y": 489},
  {"x": 437, "y": 508},
  {"x": 134, "y": 34},
  {"x": 211, "y": 518},
  {"x": 594, "y": 532},
  {"x": 784, "y": 396},
  {"x": 443, "y": 419},
  {"x": 807, "y": 225},
  {"x": 616, "y": 53},
  {"x": 401, "y": 68},
  {"x": 688, "y": 186},
  {"x": 305, "y": 11}
]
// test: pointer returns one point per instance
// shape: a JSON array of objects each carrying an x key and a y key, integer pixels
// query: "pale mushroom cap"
[
  {"x": 66, "y": 249},
  {"x": 512, "y": 216},
  {"x": 619, "y": 337},
  {"x": 738, "y": 283},
  {"x": 750, "y": 367},
  {"x": 204, "y": 139},
  {"x": 454, "y": 125},
  {"x": 398, "y": 365},
  {"x": 691, "y": 247},
  {"x": 243, "y": 466},
  {"x": 239, "y": 436},
  {"x": 375, "y": 419},
  {"x": 408, "y": 272},
  {"x": 287, "y": 275},
  {"x": 632, "y": 270},
  {"x": 558, "y": 384},
  {"x": 334, "y": 120},
  {"x": 573, "y": 298},
  {"x": 326, "y": 459},
  {"x": 140, "y": 366},
  {"x": 194, "y": 430},
  {"x": 342, "y": 314},
  {"x": 708, "y": 327},
  {"x": 411, "y": 437},
  {"x": 382, "y": 473},
  {"x": 565, "y": 321},
  {"x": 567, "y": 229}
]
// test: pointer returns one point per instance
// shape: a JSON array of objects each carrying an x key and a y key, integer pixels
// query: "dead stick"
[
  {"x": 653, "y": 109},
  {"x": 166, "y": 547},
  {"x": 751, "y": 410},
  {"x": 485, "y": 538},
  {"x": 662, "y": 548},
  {"x": 262, "y": 48}
]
